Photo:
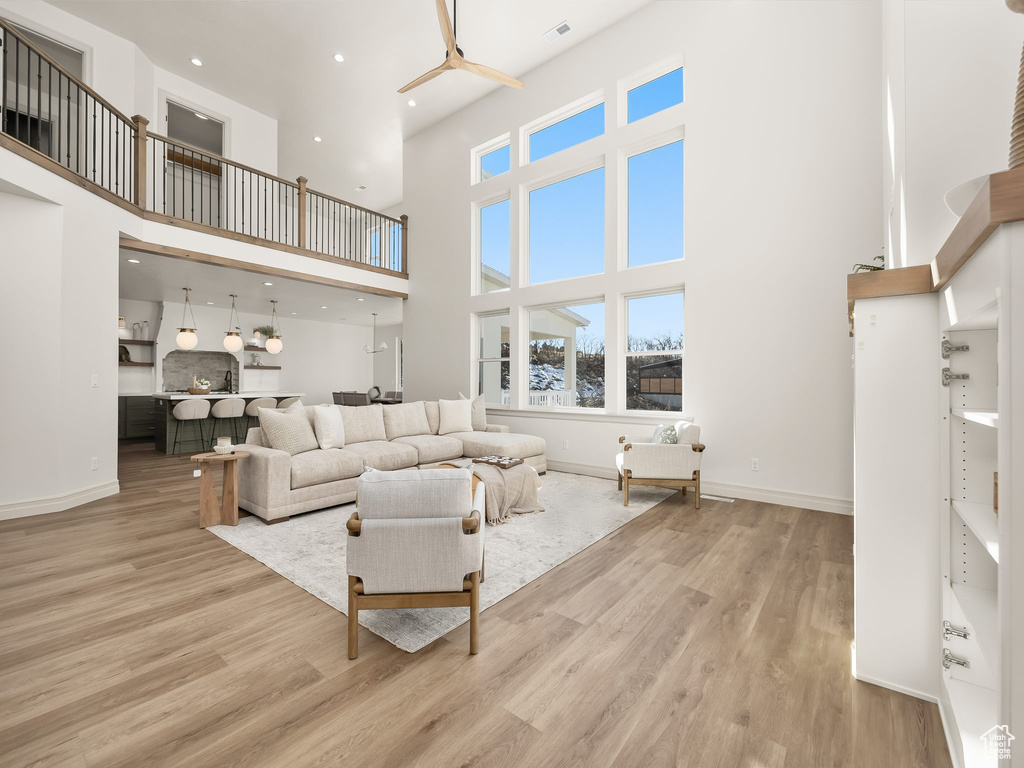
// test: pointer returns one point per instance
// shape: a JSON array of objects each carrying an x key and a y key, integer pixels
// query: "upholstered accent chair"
[
  {"x": 670, "y": 465},
  {"x": 416, "y": 540}
]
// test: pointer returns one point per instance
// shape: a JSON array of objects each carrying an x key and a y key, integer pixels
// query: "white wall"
[
  {"x": 385, "y": 364},
  {"x": 782, "y": 195}
]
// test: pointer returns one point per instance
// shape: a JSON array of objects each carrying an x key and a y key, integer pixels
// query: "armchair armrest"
[
  {"x": 264, "y": 478},
  {"x": 497, "y": 428},
  {"x": 661, "y": 460}
]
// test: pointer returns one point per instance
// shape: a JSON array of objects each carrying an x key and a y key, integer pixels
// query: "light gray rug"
[{"x": 309, "y": 550}]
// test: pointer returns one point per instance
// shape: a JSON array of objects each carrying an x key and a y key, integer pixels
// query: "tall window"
[
  {"x": 494, "y": 245},
  {"x": 567, "y": 356},
  {"x": 655, "y": 203},
  {"x": 493, "y": 358},
  {"x": 567, "y": 228},
  {"x": 654, "y": 353},
  {"x": 654, "y": 96}
]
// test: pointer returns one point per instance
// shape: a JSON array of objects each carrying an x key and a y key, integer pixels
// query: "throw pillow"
[
  {"x": 665, "y": 434},
  {"x": 288, "y": 430},
  {"x": 328, "y": 426},
  {"x": 479, "y": 412},
  {"x": 405, "y": 420},
  {"x": 363, "y": 423},
  {"x": 433, "y": 415},
  {"x": 456, "y": 416}
]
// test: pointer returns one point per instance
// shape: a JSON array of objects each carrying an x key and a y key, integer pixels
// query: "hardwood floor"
[{"x": 718, "y": 637}]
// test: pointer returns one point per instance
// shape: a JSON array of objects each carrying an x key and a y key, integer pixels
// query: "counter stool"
[
  {"x": 285, "y": 402},
  {"x": 190, "y": 410},
  {"x": 230, "y": 408},
  {"x": 252, "y": 410}
]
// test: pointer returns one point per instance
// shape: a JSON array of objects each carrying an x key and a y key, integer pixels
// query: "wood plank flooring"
[{"x": 718, "y": 637}]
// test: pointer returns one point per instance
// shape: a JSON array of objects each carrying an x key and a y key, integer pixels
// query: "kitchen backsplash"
[{"x": 180, "y": 365}]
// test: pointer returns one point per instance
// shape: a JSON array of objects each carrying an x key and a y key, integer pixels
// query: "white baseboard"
[
  {"x": 897, "y": 688},
  {"x": 769, "y": 495},
  {"x": 59, "y": 503}
]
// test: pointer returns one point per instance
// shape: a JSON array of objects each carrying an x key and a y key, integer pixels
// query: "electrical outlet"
[
  {"x": 755, "y": 465},
  {"x": 565, "y": 445},
  {"x": 94, "y": 464},
  {"x": 95, "y": 380},
  {"x": 197, "y": 472}
]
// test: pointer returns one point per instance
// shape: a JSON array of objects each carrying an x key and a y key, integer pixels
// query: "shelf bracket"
[
  {"x": 948, "y": 660},
  {"x": 948, "y": 348},
  {"x": 948, "y": 377},
  {"x": 949, "y": 631}
]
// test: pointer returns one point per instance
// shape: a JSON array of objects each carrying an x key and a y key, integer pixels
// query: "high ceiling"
[{"x": 276, "y": 56}]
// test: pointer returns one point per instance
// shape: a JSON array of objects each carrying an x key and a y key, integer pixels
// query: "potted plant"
[{"x": 261, "y": 333}]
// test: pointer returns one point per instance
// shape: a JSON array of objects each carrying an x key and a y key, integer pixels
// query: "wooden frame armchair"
[
  {"x": 670, "y": 465},
  {"x": 416, "y": 541}
]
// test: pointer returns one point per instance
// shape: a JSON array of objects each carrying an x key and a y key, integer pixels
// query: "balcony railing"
[{"x": 45, "y": 108}]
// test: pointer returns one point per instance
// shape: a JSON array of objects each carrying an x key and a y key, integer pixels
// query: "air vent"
[
  {"x": 557, "y": 31},
  {"x": 360, "y": 188}
]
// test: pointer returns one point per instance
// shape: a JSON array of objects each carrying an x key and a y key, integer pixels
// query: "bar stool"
[
  {"x": 230, "y": 408},
  {"x": 190, "y": 410},
  {"x": 252, "y": 410},
  {"x": 287, "y": 401}
]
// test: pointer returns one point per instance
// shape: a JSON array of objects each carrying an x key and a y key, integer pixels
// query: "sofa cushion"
[
  {"x": 479, "y": 412},
  {"x": 319, "y": 467},
  {"x": 433, "y": 448},
  {"x": 328, "y": 426},
  {"x": 433, "y": 409},
  {"x": 380, "y": 454},
  {"x": 405, "y": 419},
  {"x": 456, "y": 416},
  {"x": 363, "y": 423},
  {"x": 477, "y": 444},
  {"x": 288, "y": 430}
]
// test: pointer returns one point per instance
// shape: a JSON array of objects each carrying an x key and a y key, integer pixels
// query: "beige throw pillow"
[
  {"x": 328, "y": 426},
  {"x": 456, "y": 416},
  {"x": 479, "y": 412},
  {"x": 288, "y": 430},
  {"x": 405, "y": 419},
  {"x": 433, "y": 415}
]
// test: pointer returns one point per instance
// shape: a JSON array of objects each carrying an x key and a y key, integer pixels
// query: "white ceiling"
[
  {"x": 161, "y": 278},
  {"x": 276, "y": 56}
]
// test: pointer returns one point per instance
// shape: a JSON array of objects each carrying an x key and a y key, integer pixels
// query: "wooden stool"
[{"x": 226, "y": 513}]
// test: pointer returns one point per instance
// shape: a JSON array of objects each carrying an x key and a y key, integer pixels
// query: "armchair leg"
[
  {"x": 696, "y": 490},
  {"x": 353, "y": 619},
  {"x": 625, "y": 489},
  {"x": 620, "y": 482},
  {"x": 474, "y": 614}
]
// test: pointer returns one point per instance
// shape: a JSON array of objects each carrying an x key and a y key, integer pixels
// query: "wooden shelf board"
[
  {"x": 980, "y": 609},
  {"x": 250, "y": 348},
  {"x": 976, "y": 710},
  {"x": 134, "y": 364},
  {"x": 982, "y": 521},
  {"x": 978, "y": 416},
  {"x": 263, "y": 367},
  {"x": 136, "y": 342}
]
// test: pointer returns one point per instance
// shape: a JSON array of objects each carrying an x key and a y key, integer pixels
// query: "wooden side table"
[{"x": 226, "y": 513}]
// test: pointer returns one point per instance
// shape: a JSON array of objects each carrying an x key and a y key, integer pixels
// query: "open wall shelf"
[
  {"x": 133, "y": 364},
  {"x": 988, "y": 418},
  {"x": 981, "y": 520},
  {"x": 136, "y": 342}
]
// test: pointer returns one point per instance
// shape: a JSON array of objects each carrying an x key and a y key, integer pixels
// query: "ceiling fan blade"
[
  {"x": 425, "y": 78},
  {"x": 446, "y": 25},
  {"x": 493, "y": 74}
]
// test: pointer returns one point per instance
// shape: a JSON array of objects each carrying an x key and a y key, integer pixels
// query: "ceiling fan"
[{"x": 454, "y": 58}]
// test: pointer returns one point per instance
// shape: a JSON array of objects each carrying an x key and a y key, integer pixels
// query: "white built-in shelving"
[
  {"x": 978, "y": 416},
  {"x": 976, "y": 708},
  {"x": 981, "y": 520}
]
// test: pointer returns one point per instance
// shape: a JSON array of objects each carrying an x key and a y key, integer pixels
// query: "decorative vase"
[
  {"x": 137, "y": 331},
  {"x": 145, "y": 330},
  {"x": 123, "y": 331}
]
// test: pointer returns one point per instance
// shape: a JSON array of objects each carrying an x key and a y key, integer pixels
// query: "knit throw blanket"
[{"x": 508, "y": 492}]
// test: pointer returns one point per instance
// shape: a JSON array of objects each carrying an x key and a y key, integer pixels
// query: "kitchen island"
[{"x": 164, "y": 420}]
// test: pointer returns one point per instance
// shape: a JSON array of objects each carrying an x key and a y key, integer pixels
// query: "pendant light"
[
  {"x": 383, "y": 346},
  {"x": 233, "y": 335},
  {"x": 187, "y": 338},
  {"x": 274, "y": 343}
]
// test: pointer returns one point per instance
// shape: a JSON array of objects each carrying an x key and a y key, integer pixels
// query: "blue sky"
[{"x": 567, "y": 218}]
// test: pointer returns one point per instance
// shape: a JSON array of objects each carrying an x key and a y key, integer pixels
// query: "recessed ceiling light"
[
  {"x": 197, "y": 62},
  {"x": 339, "y": 58},
  {"x": 210, "y": 303},
  {"x": 360, "y": 299},
  {"x": 323, "y": 307},
  {"x": 317, "y": 139},
  {"x": 557, "y": 31},
  {"x": 134, "y": 261},
  {"x": 200, "y": 116},
  {"x": 412, "y": 102},
  {"x": 268, "y": 283},
  {"x": 360, "y": 188},
  {"x": 295, "y": 313}
]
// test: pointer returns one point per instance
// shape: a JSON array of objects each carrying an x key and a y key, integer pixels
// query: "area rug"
[{"x": 309, "y": 550}]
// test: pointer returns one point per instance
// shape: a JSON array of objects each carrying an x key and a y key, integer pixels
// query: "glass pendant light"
[
  {"x": 187, "y": 338},
  {"x": 233, "y": 335},
  {"x": 274, "y": 343}
]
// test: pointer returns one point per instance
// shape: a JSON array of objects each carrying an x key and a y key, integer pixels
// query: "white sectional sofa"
[{"x": 274, "y": 485}]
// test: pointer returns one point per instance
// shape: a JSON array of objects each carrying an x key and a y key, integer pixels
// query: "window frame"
[
  {"x": 642, "y": 77},
  {"x": 551, "y": 118},
  {"x": 478, "y": 152},
  {"x": 525, "y": 373},
  {"x": 625, "y": 353},
  {"x": 478, "y": 359},
  {"x": 476, "y": 226}
]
